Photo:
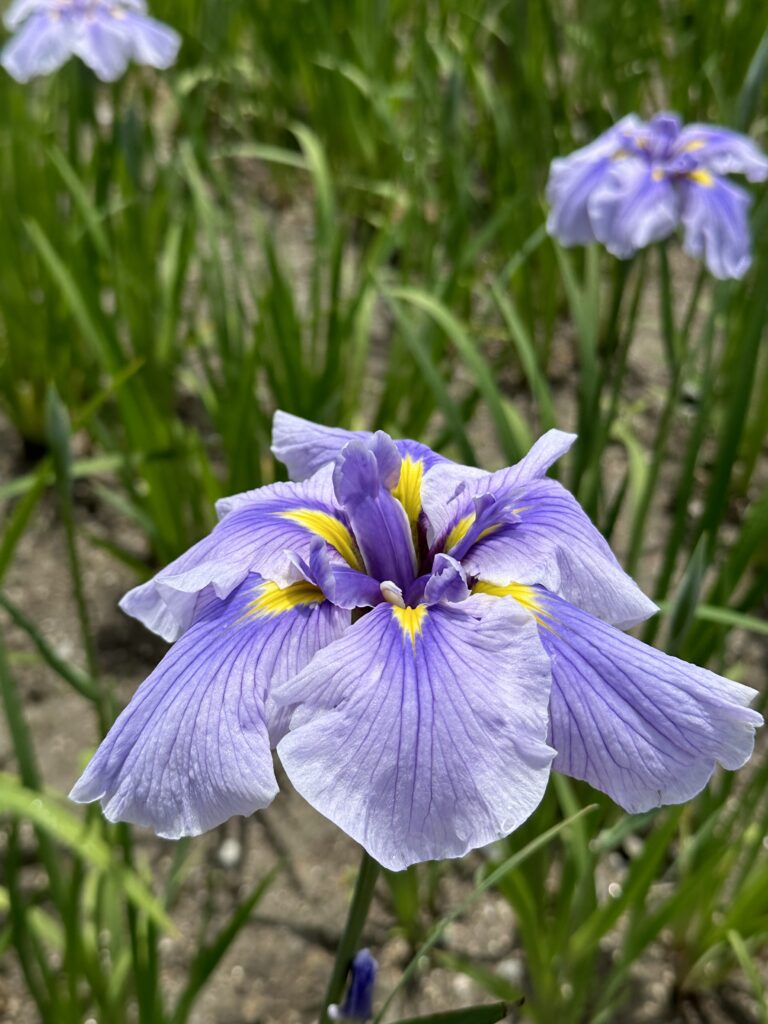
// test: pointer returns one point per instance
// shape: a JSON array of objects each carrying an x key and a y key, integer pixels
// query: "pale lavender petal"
[
  {"x": 645, "y": 728},
  {"x": 716, "y": 225},
  {"x": 259, "y": 532},
  {"x": 572, "y": 180},
  {"x": 554, "y": 544},
  {"x": 193, "y": 747},
  {"x": 722, "y": 151},
  {"x": 424, "y": 738},
  {"x": 20, "y": 10},
  {"x": 364, "y": 475},
  {"x": 40, "y": 47},
  {"x": 151, "y": 42},
  {"x": 304, "y": 447},
  {"x": 634, "y": 206},
  {"x": 448, "y": 490},
  {"x": 104, "y": 45}
]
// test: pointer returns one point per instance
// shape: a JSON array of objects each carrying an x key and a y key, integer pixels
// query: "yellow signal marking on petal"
[
  {"x": 459, "y": 531},
  {"x": 330, "y": 529},
  {"x": 693, "y": 145},
  {"x": 657, "y": 174},
  {"x": 702, "y": 178},
  {"x": 408, "y": 489},
  {"x": 272, "y": 600},
  {"x": 521, "y": 592},
  {"x": 410, "y": 620}
]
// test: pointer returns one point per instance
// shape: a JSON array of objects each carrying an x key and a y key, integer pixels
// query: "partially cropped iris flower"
[
  {"x": 639, "y": 181},
  {"x": 422, "y": 642},
  {"x": 105, "y": 34}
]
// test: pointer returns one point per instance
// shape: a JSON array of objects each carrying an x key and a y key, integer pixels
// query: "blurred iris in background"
[
  {"x": 639, "y": 181},
  {"x": 491, "y": 650},
  {"x": 105, "y": 34},
  {"x": 358, "y": 1004}
]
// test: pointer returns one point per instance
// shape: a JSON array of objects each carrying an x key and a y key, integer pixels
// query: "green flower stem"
[{"x": 350, "y": 938}]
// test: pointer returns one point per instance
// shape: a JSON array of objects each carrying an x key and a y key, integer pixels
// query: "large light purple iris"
[
  {"x": 490, "y": 650},
  {"x": 105, "y": 34},
  {"x": 637, "y": 182}
]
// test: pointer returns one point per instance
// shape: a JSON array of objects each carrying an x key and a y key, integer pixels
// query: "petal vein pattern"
[{"x": 426, "y": 746}]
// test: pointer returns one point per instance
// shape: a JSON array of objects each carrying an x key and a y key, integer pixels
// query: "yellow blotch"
[
  {"x": 330, "y": 529},
  {"x": 521, "y": 592},
  {"x": 702, "y": 178},
  {"x": 410, "y": 620},
  {"x": 657, "y": 174},
  {"x": 693, "y": 145},
  {"x": 459, "y": 532},
  {"x": 408, "y": 489},
  {"x": 272, "y": 600}
]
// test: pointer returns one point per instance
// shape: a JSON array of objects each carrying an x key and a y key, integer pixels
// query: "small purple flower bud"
[{"x": 359, "y": 1002}]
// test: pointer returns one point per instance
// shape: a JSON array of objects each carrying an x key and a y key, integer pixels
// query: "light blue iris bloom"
[
  {"x": 105, "y": 34},
  {"x": 422, "y": 642},
  {"x": 639, "y": 181}
]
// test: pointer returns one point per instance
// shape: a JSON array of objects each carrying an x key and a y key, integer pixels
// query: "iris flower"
[
  {"x": 637, "y": 182},
  {"x": 422, "y": 642},
  {"x": 105, "y": 34},
  {"x": 358, "y": 1004}
]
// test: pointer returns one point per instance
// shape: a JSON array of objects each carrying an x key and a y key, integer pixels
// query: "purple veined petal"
[
  {"x": 554, "y": 544},
  {"x": 448, "y": 491},
  {"x": 152, "y": 43},
  {"x": 364, "y": 476},
  {"x": 716, "y": 224},
  {"x": 258, "y": 533},
  {"x": 421, "y": 731},
  {"x": 634, "y": 206},
  {"x": 343, "y": 586},
  {"x": 643, "y": 727},
  {"x": 40, "y": 46},
  {"x": 193, "y": 747},
  {"x": 722, "y": 151},
  {"x": 448, "y": 582},
  {"x": 304, "y": 447},
  {"x": 573, "y": 178}
]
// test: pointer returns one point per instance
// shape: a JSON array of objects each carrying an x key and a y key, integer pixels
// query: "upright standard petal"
[
  {"x": 643, "y": 727},
  {"x": 716, "y": 224},
  {"x": 722, "y": 151},
  {"x": 634, "y": 206},
  {"x": 421, "y": 731},
  {"x": 40, "y": 46},
  {"x": 364, "y": 476},
  {"x": 260, "y": 532},
  {"x": 572, "y": 180},
  {"x": 193, "y": 746}
]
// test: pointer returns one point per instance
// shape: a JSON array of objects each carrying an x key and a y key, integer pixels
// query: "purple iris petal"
[
  {"x": 722, "y": 151},
  {"x": 358, "y": 1004},
  {"x": 449, "y": 484},
  {"x": 193, "y": 747},
  {"x": 572, "y": 180},
  {"x": 716, "y": 225},
  {"x": 632, "y": 207},
  {"x": 343, "y": 586},
  {"x": 645, "y": 728},
  {"x": 38, "y": 48},
  {"x": 364, "y": 476},
  {"x": 448, "y": 582},
  {"x": 258, "y": 531},
  {"x": 421, "y": 732},
  {"x": 304, "y": 447},
  {"x": 104, "y": 34}
]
